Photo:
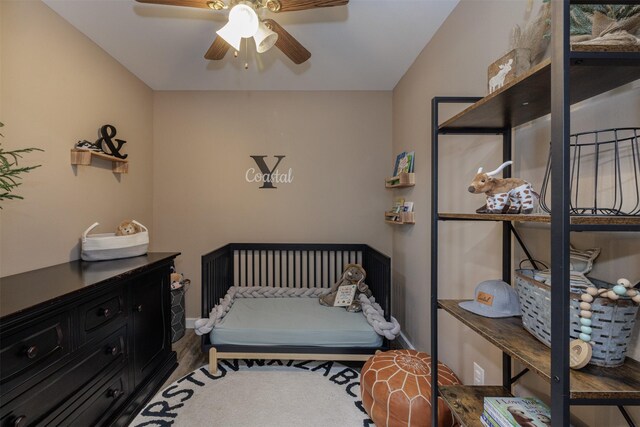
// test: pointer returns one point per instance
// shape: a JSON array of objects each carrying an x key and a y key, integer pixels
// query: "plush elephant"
[{"x": 353, "y": 274}]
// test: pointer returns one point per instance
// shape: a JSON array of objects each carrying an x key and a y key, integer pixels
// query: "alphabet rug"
[{"x": 265, "y": 393}]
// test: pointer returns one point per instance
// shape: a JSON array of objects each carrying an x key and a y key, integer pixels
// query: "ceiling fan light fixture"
[
  {"x": 245, "y": 19},
  {"x": 265, "y": 38},
  {"x": 231, "y": 35}
]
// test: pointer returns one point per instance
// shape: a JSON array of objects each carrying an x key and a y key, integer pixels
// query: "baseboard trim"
[
  {"x": 404, "y": 342},
  {"x": 190, "y": 322}
]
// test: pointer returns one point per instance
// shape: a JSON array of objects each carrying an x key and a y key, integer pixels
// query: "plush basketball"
[{"x": 396, "y": 389}]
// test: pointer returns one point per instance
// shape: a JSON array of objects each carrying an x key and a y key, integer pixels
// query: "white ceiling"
[{"x": 366, "y": 45}]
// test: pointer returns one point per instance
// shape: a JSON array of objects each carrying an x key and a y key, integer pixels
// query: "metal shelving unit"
[{"x": 551, "y": 87}]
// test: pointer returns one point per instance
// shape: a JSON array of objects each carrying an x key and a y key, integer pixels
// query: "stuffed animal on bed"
[
  {"x": 127, "y": 227},
  {"x": 353, "y": 274}
]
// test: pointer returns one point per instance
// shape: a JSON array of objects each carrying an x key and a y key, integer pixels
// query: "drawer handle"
[
  {"x": 112, "y": 350},
  {"x": 18, "y": 421},
  {"x": 115, "y": 393},
  {"x": 139, "y": 308},
  {"x": 31, "y": 352},
  {"x": 105, "y": 312}
]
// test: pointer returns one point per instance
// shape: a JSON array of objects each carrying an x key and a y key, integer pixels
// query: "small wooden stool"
[{"x": 396, "y": 389}]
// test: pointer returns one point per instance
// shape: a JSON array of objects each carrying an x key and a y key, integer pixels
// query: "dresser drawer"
[
  {"x": 27, "y": 350},
  {"x": 58, "y": 390},
  {"x": 101, "y": 312},
  {"x": 98, "y": 407}
]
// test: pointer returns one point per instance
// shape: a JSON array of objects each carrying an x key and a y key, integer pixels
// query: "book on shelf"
[
  {"x": 407, "y": 207},
  {"x": 399, "y": 157},
  {"x": 404, "y": 163},
  {"x": 411, "y": 155},
  {"x": 396, "y": 209},
  {"x": 517, "y": 412},
  {"x": 398, "y": 205},
  {"x": 404, "y": 166},
  {"x": 487, "y": 420}
]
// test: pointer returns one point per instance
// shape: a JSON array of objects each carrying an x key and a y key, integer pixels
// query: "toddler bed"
[{"x": 268, "y": 296}]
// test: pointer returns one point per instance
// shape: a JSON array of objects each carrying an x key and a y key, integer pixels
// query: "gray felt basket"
[
  {"x": 612, "y": 321},
  {"x": 177, "y": 314}
]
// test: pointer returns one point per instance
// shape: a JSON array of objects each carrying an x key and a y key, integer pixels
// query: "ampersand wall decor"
[{"x": 106, "y": 143}]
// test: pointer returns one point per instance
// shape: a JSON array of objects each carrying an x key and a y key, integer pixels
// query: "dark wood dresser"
[{"x": 84, "y": 343}]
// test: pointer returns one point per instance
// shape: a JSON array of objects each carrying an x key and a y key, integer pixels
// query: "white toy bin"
[{"x": 105, "y": 246}]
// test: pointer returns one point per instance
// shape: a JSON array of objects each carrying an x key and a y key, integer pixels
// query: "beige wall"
[
  {"x": 337, "y": 143},
  {"x": 455, "y": 63},
  {"x": 58, "y": 87}
]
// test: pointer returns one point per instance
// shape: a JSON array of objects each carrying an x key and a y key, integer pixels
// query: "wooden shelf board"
[
  {"x": 399, "y": 185},
  {"x": 495, "y": 217},
  {"x": 604, "y": 48},
  {"x": 577, "y": 220},
  {"x": 84, "y": 157},
  {"x": 405, "y": 218},
  {"x": 529, "y": 96},
  {"x": 398, "y": 222},
  {"x": 102, "y": 155},
  {"x": 591, "y": 382},
  {"x": 467, "y": 402},
  {"x": 405, "y": 179}
]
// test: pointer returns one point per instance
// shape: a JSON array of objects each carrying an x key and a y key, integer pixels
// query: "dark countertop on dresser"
[{"x": 23, "y": 291}]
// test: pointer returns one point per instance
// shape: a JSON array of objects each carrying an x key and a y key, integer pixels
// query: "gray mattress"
[{"x": 292, "y": 322}]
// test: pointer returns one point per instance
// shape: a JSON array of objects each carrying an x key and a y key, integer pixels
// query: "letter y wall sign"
[{"x": 268, "y": 176}]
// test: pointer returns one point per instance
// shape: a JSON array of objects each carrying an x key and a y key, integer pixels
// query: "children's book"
[
  {"x": 396, "y": 169},
  {"x": 398, "y": 205},
  {"x": 403, "y": 165},
  {"x": 488, "y": 421},
  {"x": 518, "y": 411},
  {"x": 407, "y": 207},
  {"x": 411, "y": 155}
]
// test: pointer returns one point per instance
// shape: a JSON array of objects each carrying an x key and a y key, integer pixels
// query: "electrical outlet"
[{"x": 478, "y": 374}]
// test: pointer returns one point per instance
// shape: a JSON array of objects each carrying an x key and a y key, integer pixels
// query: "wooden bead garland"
[{"x": 579, "y": 353}]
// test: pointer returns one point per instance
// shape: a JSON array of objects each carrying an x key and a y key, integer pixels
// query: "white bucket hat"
[{"x": 494, "y": 298}]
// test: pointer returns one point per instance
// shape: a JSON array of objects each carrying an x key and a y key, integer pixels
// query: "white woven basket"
[{"x": 105, "y": 246}]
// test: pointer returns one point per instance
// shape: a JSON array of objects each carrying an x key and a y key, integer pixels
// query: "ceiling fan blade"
[
  {"x": 203, "y": 4},
  {"x": 288, "y": 44},
  {"x": 293, "y": 5},
  {"x": 217, "y": 50}
]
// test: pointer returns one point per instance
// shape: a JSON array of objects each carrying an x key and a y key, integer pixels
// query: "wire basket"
[{"x": 604, "y": 173}]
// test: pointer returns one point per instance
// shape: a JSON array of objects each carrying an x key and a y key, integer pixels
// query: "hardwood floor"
[{"x": 190, "y": 357}]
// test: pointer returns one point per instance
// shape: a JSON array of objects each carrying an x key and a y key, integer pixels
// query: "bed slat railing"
[
  {"x": 291, "y": 265},
  {"x": 378, "y": 268}
]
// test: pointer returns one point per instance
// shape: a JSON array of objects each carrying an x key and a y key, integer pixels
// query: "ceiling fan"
[{"x": 245, "y": 23}]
